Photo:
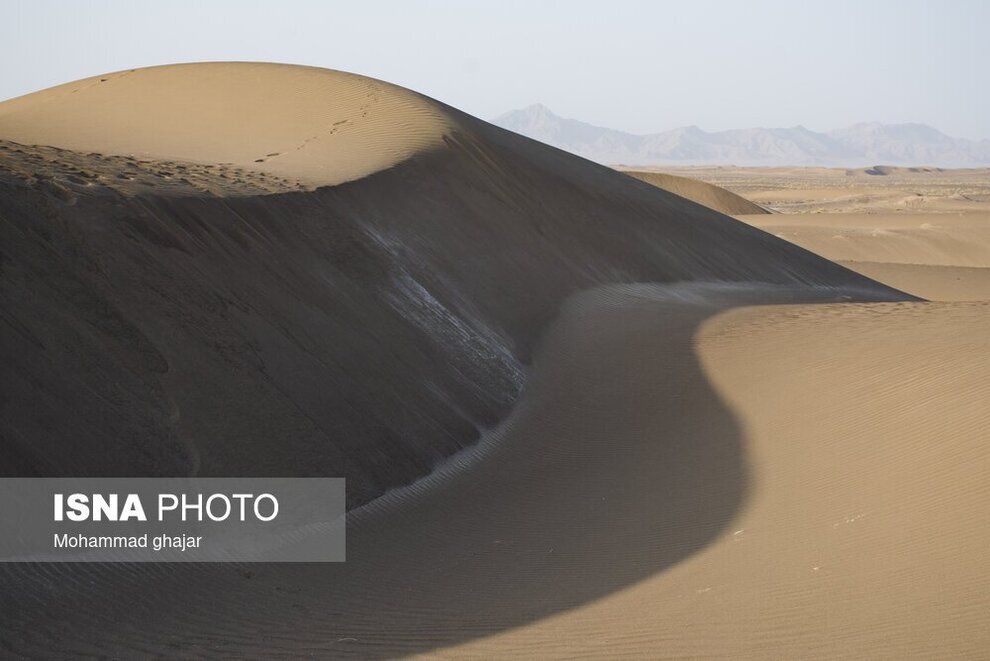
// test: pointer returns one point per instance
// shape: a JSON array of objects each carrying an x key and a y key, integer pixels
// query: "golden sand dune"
[
  {"x": 698, "y": 191},
  {"x": 307, "y": 124},
  {"x": 579, "y": 415}
]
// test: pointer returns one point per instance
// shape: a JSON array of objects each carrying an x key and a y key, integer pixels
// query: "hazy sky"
[{"x": 641, "y": 67}]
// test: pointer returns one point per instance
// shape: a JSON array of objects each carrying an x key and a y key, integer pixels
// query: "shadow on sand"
[{"x": 619, "y": 462}]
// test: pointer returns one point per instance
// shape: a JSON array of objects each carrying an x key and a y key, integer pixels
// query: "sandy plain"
[{"x": 923, "y": 230}]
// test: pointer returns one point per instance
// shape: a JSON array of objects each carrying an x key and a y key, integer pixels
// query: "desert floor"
[
  {"x": 878, "y": 189},
  {"x": 923, "y": 230}
]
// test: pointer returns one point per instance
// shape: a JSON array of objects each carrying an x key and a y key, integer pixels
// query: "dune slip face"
[{"x": 264, "y": 270}]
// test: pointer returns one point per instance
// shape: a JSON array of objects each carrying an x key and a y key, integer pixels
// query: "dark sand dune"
[
  {"x": 587, "y": 470},
  {"x": 367, "y": 329},
  {"x": 885, "y": 170},
  {"x": 551, "y": 522}
]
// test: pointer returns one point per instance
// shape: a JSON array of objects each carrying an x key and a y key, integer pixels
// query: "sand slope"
[
  {"x": 313, "y": 125},
  {"x": 938, "y": 256},
  {"x": 861, "y": 531},
  {"x": 932, "y": 239},
  {"x": 698, "y": 191},
  {"x": 682, "y": 479},
  {"x": 936, "y": 283},
  {"x": 367, "y": 329}
]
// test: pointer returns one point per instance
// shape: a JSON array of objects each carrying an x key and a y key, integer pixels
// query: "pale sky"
[{"x": 641, "y": 67}]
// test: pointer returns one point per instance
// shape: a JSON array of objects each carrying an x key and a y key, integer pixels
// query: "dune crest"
[{"x": 315, "y": 126}]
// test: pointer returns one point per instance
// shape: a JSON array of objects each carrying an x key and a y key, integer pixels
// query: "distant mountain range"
[{"x": 857, "y": 145}]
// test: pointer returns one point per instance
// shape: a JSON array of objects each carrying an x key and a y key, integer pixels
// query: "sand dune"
[
  {"x": 698, "y": 191},
  {"x": 367, "y": 329},
  {"x": 308, "y": 124},
  {"x": 885, "y": 170},
  {"x": 667, "y": 506},
  {"x": 579, "y": 415}
]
